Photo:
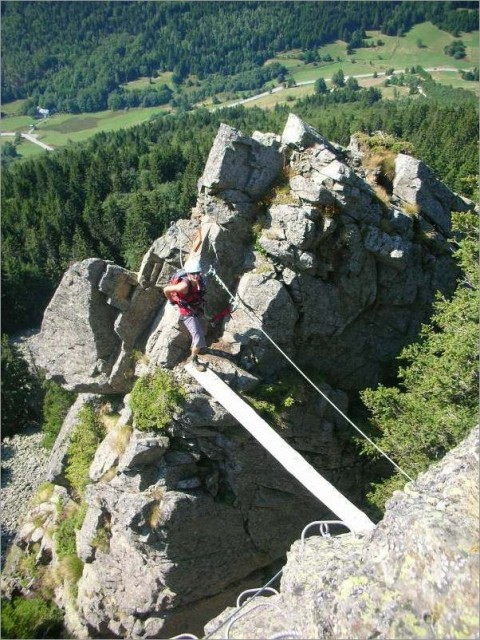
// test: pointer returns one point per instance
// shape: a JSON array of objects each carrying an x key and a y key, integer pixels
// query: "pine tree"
[{"x": 435, "y": 405}]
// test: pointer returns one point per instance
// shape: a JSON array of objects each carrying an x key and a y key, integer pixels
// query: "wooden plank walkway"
[{"x": 290, "y": 459}]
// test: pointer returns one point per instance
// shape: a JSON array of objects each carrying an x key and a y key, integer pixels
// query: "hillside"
[
  {"x": 72, "y": 56},
  {"x": 159, "y": 505}
]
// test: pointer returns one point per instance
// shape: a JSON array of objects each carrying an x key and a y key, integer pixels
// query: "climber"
[{"x": 186, "y": 292}]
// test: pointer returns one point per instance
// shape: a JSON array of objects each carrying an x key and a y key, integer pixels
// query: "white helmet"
[{"x": 192, "y": 265}]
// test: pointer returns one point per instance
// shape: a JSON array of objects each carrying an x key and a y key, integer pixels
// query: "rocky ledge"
[{"x": 415, "y": 576}]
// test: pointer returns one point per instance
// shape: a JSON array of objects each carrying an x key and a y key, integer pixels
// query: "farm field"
[
  {"x": 396, "y": 52},
  {"x": 16, "y": 123},
  {"x": 63, "y": 128},
  {"x": 25, "y": 149},
  {"x": 423, "y": 45},
  {"x": 144, "y": 83},
  {"x": 12, "y": 108}
]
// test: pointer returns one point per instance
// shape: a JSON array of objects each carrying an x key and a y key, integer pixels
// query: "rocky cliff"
[
  {"x": 415, "y": 576},
  {"x": 337, "y": 253}
]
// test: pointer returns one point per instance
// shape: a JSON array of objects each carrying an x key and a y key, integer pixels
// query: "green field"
[
  {"x": 398, "y": 53},
  {"x": 144, "y": 83},
  {"x": 16, "y": 123},
  {"x": 63, "y": 128},
  {"x": 288, "y": 96},
  {"x": 25, "y": 149},
  {"x": 13, "y": 108}
]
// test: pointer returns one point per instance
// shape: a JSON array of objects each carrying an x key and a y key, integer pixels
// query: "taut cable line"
[{"x": 253, "y": 316}]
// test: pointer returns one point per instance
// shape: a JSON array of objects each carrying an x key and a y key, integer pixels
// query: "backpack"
[{"x": 192, "y": 302}]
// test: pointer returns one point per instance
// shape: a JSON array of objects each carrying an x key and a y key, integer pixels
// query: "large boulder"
[
  {"x": 416, "y": 575},
  {"x": 300, "y": 135},
  {"x": 265, "y": 306},
  {"x": 416, "y": 184},
  {"x": 241, "y": 163},
  {"x": 92, "y": 325},
  {"x": 78, "y": 345}
]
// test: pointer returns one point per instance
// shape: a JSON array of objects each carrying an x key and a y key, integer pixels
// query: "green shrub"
[
  {"x": 154, "y": 400},
  {"x": 27, "y": 570},
  {"x": 31, "y": 618},
  {"x": 70, "y": 520},
  {"x": 271, "y": 400},
  {"x": 56, "y": 403},
  {"x": 435, "y": 405},
  {"x": 70, "y": 569},
  {"x": 86, "y": 437},
  {"x": 381, "y": 141},
  {"x": 43, "y": 493}
]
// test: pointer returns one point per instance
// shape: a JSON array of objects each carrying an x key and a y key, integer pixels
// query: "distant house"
[{"x": 43, "y": 112}]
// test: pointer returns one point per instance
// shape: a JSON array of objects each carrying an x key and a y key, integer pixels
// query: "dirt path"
[{"x": 30, "y": 138}]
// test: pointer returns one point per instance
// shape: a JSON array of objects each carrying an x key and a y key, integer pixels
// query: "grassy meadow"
[
  {"x": 422, "y": 45},
  {"x": 144, "y": 83},
  {"x": 63, "y": 128}
]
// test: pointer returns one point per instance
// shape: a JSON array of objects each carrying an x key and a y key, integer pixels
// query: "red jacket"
[{"x": 190, "y": 303}]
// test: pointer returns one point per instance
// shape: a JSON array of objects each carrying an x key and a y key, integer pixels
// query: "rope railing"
[
  {"x": 253, "y": 316},
  {"x": 240, "y": 611}
]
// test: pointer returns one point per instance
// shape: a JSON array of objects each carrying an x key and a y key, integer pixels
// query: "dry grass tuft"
[
  {"x": 330, "y": 210},
  {"x": 411, "y": 209},
  {"x": 109, "y": 475},
  {"x": 43, "y": 494},
  {"x": 382, "y": 195},
  {"x": 122, "y": 439}
]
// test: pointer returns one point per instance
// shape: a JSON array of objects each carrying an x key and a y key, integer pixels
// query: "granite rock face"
[
  {"x": 315, "y": 260},
  {"x": 415, "y": 576},
  {"x": 206, "y": 500},
  {"x": 92, "y": 325},
  {"x": 415, "y": 183},
  {"x": 342, "y": 275},
  {"x": 241, "y": 163}
]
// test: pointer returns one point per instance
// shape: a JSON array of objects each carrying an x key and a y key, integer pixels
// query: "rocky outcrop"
[
  {"x": 241, "y": 163},
  {"x": 339, "y": 278},
  {"x": 416, "y": 575},
  {"x": 92, "y": 325},
  {"x": 334, "y": 267},
  {"x": 416, "y": 184},
  {"x": 205, "y": 500}
]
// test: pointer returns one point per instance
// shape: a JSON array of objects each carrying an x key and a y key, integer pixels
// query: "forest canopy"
[
  {"x": 75, "y": 56},
  {"x": 113, "y": 195}
]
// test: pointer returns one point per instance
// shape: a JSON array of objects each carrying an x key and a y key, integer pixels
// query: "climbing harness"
[
  {"x": 226, "y": 313},
  {"x": 192, "y": 302}
]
